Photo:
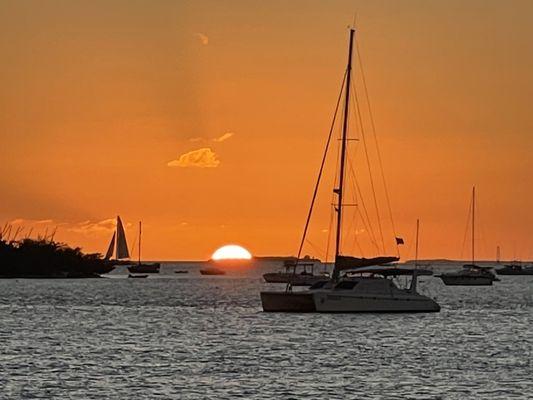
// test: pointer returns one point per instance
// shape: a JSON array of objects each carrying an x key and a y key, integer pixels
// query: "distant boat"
[
  {"x": 515, "y": 269},
  {"x": 212, "y": 271},
  {"x": 145, "y": 268},
  {"x": 137, "y": 276},
  {"x": 118, "y": 245},
  {"x": 306, "y": 277},
  {"x": 181, "y": 272},
  {"x": 471, "y": 274},
  {"x": 372, "y": 290}
]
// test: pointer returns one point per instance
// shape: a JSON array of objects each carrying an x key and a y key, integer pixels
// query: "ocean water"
[{"x": 197, "y": 337}]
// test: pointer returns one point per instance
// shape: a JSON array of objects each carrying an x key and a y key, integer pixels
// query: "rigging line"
[
  {"x": 466, "y": 228},
  {"x": 355, "y": 239},
  {"x": 332, "y": 209},
  {"x": 314, "y": 247},
  {"x": 331, "y": 214},
  {"x": 373, "y": 125},
  {"x": 358, "y": 109},
  {"x": 310, "y": 213},
  {"x": 366, "y": 224}
]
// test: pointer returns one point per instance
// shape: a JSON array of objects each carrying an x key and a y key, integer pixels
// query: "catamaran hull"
[
  {"x": 468, "y": 280},
  {"x": 344, "y": 303},
  {"x": 294, "y": 279},
  {"x": 287, "y": 302},
  {"x": 334, "y": 303}
]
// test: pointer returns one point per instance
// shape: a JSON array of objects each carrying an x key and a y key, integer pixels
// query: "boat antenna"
[
  {"x": 416, "y": 242},
  {"x": 339, "y": 190},
  {"x": 473, "y": 222}
]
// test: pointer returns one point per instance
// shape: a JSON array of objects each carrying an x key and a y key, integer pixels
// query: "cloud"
[
  {"x": 225, "y": 136},
  {"x": 22, "y": 221},
  {"x": 87, "y": 227},
  {"x": 203, "y": 38},
  {"x": 201, "y": 158}
]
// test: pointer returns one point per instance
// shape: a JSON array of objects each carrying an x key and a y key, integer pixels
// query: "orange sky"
[{"x": 99, "y": 97}]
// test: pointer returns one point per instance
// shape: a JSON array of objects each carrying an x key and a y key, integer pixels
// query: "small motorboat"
[
  {"x": 470, "y": 275},
  {"x": 142, "y": 268},
  {"x": 212, "y": 271},
  {"x": 137, "y": 276},
  {"x": 181, "y": 271},
  {"x": 515, "y": 269}
]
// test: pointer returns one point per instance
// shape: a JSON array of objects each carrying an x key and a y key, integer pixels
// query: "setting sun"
[{"x": 231, "y": 252}]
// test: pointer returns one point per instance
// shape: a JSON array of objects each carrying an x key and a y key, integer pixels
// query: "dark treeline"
[{"x": 30, "y": 258}]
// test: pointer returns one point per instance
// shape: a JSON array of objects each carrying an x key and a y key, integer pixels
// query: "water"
[{"x": 196, "y": 337}]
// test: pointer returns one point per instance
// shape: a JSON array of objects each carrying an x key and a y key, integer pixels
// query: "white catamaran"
[{"x": 369, "y": 287}]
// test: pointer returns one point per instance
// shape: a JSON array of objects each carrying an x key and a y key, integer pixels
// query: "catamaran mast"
[
  {"x": 473, "y": 221},
  {"x": 339, "y": 190}
]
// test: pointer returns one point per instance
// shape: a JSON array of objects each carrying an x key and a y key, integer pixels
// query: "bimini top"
[
  {"x": 346, "y": 262},
  {"x": 474, "y": 266},
  {"x": 392, "y": 270}
]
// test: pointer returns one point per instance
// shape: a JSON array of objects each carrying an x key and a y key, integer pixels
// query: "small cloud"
[
  {"x": 196, "y": 139},
  {"x": 203, "y": 38},
  {"x": 88, "y": 227},
  {"x": 22, "y": 221},
  {"x": 201, "y": 158},
  {"x": 184, "y": 223},
  {"x": 225, "y": 136},
  {"x": 324, "y": 230}
]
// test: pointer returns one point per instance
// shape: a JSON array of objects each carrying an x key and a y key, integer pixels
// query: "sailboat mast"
[
  {"x": 416, "y": 244},
  {"x": 343, "y": 151},
  {"x": 473, "y": 221},
  {"x": 140, "y": 231}
]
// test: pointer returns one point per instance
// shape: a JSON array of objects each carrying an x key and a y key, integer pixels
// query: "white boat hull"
[
  {"x": 327, "y": 300},
  {"x": 350, "y": 303}
]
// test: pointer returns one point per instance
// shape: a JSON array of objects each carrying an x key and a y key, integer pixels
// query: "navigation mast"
[{"x": 339, "y": 190}]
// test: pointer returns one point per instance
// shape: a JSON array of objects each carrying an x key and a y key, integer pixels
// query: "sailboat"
[
  {"x": 143, "y": 268},
  {"x": 372, "y": 290},
  {"x": 306, "y": 277},
  {"x": 471, "y": 274},
  {"x": 118, "y": 244}
]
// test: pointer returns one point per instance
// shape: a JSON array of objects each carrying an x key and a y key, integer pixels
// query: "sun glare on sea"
[{"x": 231, "y": 252}]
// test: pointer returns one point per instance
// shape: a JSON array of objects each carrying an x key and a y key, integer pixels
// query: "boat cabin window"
[
  {"x": 318, "y": 285},
  {"x": 347, "y": 285}
]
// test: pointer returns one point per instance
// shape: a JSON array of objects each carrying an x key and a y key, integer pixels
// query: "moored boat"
[
  {"x": 470, "y": 275},
  {"x": 372, "y": 289},
  {"x": 212, "y": 271},
  {"x": 515, "y": 269},
  {"x": 305, "y": 277},
  {"x": 140, "y": 267}
]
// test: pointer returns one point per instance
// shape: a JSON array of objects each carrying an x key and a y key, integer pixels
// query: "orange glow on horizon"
[{"x": 207, "y": 121}]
